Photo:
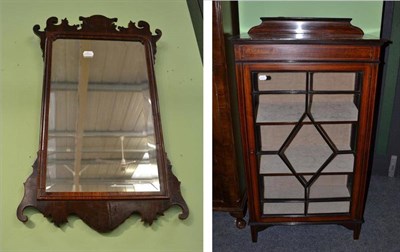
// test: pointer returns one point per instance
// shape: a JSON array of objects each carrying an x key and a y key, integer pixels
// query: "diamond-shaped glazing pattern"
[{"x": 308, "y": 159}]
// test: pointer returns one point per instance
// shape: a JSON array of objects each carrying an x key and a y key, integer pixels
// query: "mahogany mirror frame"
[{"x": 102, "y": 211}]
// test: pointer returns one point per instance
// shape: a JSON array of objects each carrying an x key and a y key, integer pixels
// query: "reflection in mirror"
[{"x": 101, "y": 132}]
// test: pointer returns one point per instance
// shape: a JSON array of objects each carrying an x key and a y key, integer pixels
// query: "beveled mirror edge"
[{"x": 102, "y": 213}]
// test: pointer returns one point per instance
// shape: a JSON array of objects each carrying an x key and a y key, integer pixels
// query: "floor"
[{"x": 380, "y": 232}]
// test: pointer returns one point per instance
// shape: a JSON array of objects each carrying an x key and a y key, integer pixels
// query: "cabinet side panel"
[
  {"x": 235, "y": 115},
  {"x": 364, "y": 141}
]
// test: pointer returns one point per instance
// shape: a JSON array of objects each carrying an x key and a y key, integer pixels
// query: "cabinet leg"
[
  {"x": 239, "y": 218},
  {"x": 356, "y": 231},
  {"x": 356, "y": 228},
  {"x": 240, "y": 223},
  {"x": 254, "y": 233}
]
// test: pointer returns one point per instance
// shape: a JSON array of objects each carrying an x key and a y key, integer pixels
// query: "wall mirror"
[{"x": 101, "y": 153}]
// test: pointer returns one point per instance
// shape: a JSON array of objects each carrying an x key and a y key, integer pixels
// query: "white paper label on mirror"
[
  {"x": 88, "y": 54},
  {"x": 262, "y": 77}
]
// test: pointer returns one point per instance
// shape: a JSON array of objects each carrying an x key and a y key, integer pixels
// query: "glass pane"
[
  {"x": 270, "y": 164},
  {"x": 280, "y": 108},
  {"x": 340, "y": 134},
  {"x": 341, "y": 163},
  {"x": 330, "y": 186},
  {"x": 101, "y": 132},
  {"x": 273, "y": 136},
  {"x": 329, "y": 207},
  {"x": 308, "y": 150},
  {"x": 270, "y": 81},
  {"x": 282, "y": 187},
  {"x": 283, "y": 208},
  {"x": 335, "y": 108},
  {"x": 334, "y": 81}
]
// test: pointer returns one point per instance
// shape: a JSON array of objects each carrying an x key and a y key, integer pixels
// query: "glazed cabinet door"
[{"x": 306, "y": 124}]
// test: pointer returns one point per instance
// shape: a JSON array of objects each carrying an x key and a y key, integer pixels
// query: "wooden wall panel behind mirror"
[{"x": 101, "y": 140}]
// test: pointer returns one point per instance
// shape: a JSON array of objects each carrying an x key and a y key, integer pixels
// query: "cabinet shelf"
[
  {"x": 291, "y": 112},
  {"x": 337, "y": 207},
  {"x": 273, "y": 164},
  {"x": 329, "y": 207},
  {"x": 305, "y": 92},
  {"x": 288, "y": 187}
]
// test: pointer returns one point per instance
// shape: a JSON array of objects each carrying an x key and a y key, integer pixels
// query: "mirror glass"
[{"x": 100, "y": 126}]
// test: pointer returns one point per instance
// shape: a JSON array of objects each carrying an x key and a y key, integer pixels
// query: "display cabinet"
[{"x": 306, "y": 91}]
